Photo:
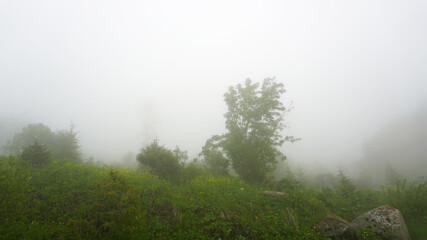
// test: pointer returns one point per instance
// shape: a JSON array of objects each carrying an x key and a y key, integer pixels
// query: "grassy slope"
[{"x": 69, "y": 200}]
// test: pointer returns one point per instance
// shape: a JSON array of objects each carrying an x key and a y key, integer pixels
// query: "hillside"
[{"x": 71, "y": 200}]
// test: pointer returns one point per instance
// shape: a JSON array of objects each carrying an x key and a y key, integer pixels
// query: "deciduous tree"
[{"x": 254, "y": 123}]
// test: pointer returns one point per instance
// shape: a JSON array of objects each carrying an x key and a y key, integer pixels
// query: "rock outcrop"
[
  {"x": 334, "y": 227},
  {"x": 385, "y": 220}
]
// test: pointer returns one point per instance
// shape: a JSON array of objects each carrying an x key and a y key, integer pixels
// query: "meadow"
[{"x": 66, "y": 199}]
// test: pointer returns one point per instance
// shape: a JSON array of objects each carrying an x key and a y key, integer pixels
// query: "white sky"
[{"x": 127, "y": 71}]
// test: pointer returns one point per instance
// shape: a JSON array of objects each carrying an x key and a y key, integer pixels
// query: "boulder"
[
  {"x": 334, "y": 227},
  {"x": 385, "y": 220}
]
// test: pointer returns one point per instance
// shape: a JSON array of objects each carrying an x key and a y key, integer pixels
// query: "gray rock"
[
  {"x": 334, "y": 227},
  {"x": 386, "y": 220}
]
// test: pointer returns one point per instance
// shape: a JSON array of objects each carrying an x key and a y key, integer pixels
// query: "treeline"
[
  {"x": 61, "y": 144},
  {"x": 249, "y": 148}
]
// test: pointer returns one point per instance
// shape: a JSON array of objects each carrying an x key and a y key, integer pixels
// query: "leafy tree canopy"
[
  {"x": 254, "y": 122},
  {"x": 214, "y": 156}
]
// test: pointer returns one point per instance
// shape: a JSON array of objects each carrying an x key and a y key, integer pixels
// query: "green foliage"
[
  {"x": 162, "y": 161},
  {"x": 191, "y": 170},
  {"x": 73, "y": 200},
  {"x": 417, "y": 227},
  {"x": 345, "y": 200},
  {"x": 67, "y": 144},
  {"x": 28, "y": 135},
  {"x": 214, "y": 157},
  {"x": 254, "y": 122},
  {"x": 346, "y": 186},
  {"x": 36, "y": 154},
  {"x": 351, "y": 202},
  {"x": 63, "y": 143},
  {"x": 115, "y": 212},
  {"x": 284, "y": 184},
  {"x": 61, "y": 189},
  {"x": 410, "y": 199},
  {"x": 228, "y": 208},
  {"x": 14, "y": 189}
]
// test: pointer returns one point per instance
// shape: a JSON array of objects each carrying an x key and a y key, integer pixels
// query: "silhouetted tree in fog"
[
  {"x": 63, "y": 143},
  {"x": 254, "y": 121},
  {"x": 36, "y": 154}
]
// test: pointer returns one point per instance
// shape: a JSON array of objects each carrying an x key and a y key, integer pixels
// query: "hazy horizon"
[{"x": 125, "y": 72}]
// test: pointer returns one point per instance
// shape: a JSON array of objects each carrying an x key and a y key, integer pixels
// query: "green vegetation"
[
  {"x": 66, "y": 199},
  {"x": 410, "y": 198},
  {"x": 62, "y": 143},
  {"x": 47, "y": 192},
  {"x": 213, "y": 157},
  {"x": 36, "y": 154},
  {"x": 254, "y": 122},
  {"x": 162, "y": 161}
]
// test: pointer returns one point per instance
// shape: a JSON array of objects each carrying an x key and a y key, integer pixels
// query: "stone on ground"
[
  {"x": 386, "y": 220},
  {"x": 334, "y": 227}
]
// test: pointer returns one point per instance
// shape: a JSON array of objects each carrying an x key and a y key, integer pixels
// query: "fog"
[{"x": 126, "y": 72}]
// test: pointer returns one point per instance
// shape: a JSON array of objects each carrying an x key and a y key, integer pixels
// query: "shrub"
[
  {"x": 162, "y": 161},
  {"x": 346, "y": 186},
  {"x": 36, "y": 154}
]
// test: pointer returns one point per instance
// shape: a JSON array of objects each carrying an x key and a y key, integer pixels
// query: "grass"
[{"x": 70, "y": 200}]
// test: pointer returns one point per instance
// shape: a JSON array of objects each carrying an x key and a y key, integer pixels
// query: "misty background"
[{"x": 126, "y": 72}]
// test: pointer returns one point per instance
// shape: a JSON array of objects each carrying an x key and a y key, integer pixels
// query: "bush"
[
  {"x": 36, "y": 154},
  {"x": 285, "y": 184},
  {"x": 162, "y": 161},
  {"x": 346, "y": 187}
]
